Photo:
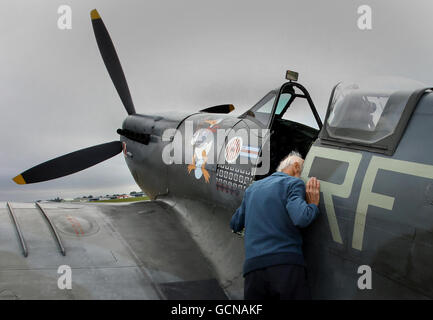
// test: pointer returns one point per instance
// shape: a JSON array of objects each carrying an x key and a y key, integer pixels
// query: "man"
[{"x": 272, "y": 211}]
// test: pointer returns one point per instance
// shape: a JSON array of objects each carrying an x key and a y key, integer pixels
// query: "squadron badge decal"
[
  {"x": 233, "y": 149},
  {"x": 202, "y": 142}
]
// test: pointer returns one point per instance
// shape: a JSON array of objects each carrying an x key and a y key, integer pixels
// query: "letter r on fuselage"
[{"x": 330, "y": 189}]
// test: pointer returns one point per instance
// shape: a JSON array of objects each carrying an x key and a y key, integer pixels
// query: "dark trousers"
[{"x": 281, "y": 282}]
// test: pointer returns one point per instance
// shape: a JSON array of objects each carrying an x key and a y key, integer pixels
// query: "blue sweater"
[{"x": 272, "y": 211}]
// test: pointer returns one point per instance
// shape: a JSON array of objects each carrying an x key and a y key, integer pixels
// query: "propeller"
[
  {"x": 88, "y": 157},
  {"x": 69, "y": 163},
  {"x": 223, "y": 108},
  {"x": 111, "y": 60}
]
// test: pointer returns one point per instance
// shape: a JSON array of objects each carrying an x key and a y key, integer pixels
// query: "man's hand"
[{"x": 313, "y": 191}]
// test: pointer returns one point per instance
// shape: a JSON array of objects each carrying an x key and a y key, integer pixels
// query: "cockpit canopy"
[{"x": 372, "y": 112}]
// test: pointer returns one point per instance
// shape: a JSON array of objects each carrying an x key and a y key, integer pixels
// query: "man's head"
[{"x": 292, "y": 164}]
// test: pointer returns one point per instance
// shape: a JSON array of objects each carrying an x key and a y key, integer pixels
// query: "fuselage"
[{"x": 376, "y": 209}]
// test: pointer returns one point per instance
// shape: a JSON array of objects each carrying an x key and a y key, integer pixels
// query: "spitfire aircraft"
[{"x": 373, "y": 155}]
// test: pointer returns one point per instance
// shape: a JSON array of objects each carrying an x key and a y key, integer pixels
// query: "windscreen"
[
  {"x": 262, "y": 110},
  {"x": 368, "y": 111}
]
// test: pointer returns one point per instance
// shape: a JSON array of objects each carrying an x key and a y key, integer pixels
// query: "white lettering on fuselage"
[{"x": 366, "y": 196}]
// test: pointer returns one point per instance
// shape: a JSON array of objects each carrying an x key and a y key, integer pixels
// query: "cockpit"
[
  {"x": 292, "y": 118},
  {"x": 371, "y": 114},
  {"x": 367, "y": 115}
]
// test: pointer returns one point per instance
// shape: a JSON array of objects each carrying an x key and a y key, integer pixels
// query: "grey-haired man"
[{"x": 272, "y": 212}]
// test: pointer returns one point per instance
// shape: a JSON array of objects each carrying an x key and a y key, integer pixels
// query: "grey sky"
[{"x": 56, "y": 95}]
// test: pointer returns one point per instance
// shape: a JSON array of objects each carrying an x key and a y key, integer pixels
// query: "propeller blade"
[
  {"x": 223, "y": 108},
  {"x": 69, "y": 163},
  {"x": 111, "y": 60}
]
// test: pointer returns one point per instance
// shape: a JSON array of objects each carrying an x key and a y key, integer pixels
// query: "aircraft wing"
[{"x": 114, "y": 251}]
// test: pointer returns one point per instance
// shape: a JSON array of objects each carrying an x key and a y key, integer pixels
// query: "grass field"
[{"x": 124, "y": 200}]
